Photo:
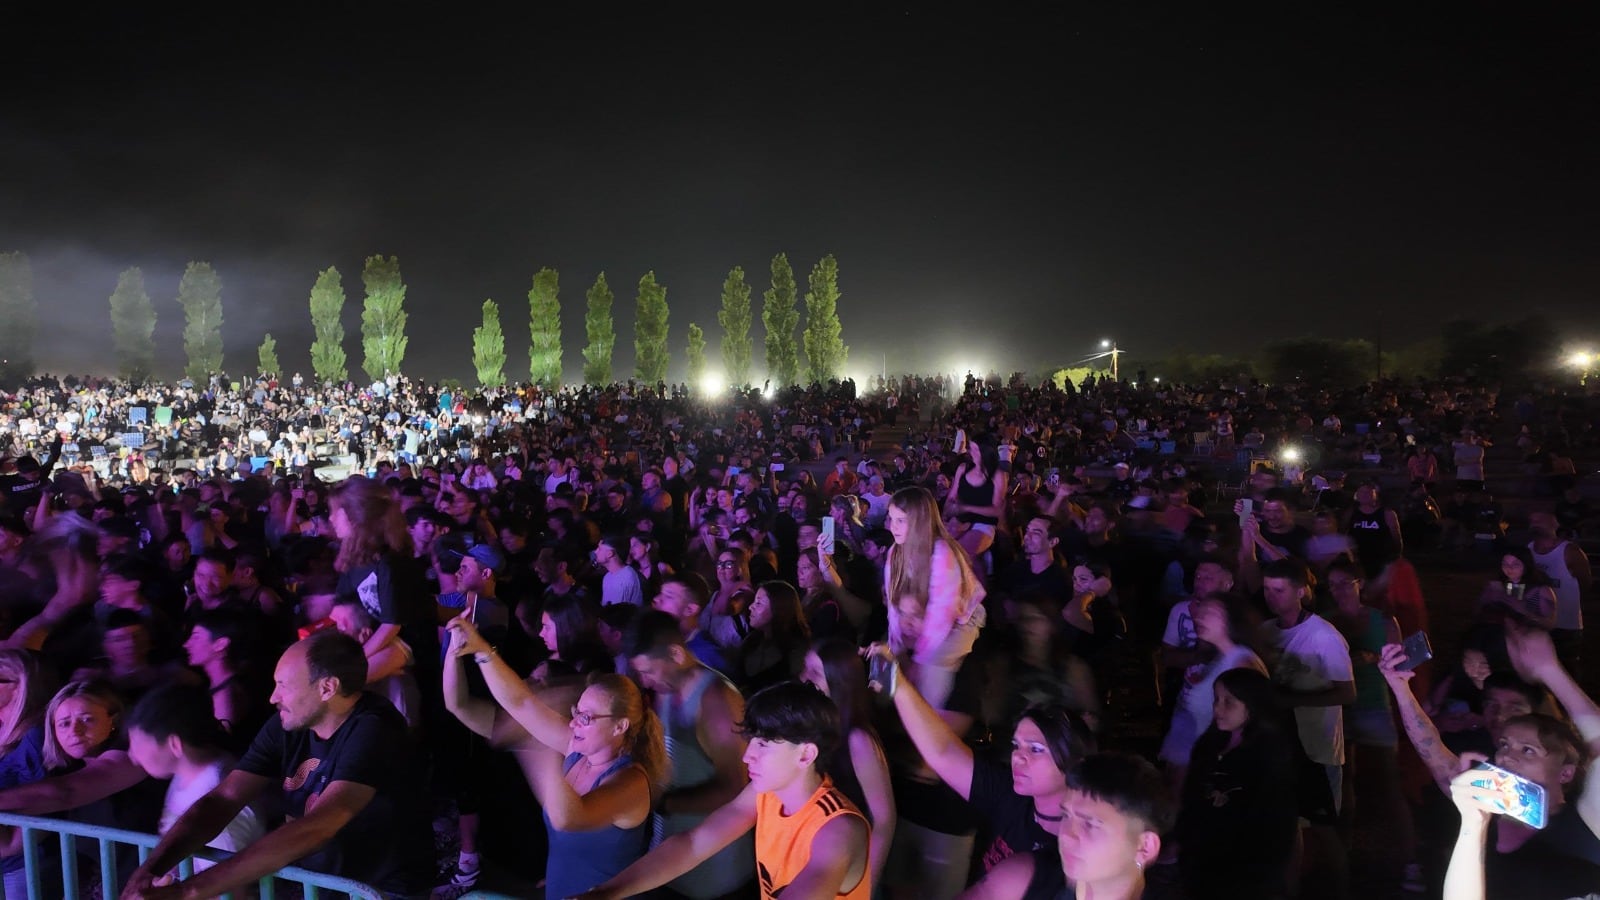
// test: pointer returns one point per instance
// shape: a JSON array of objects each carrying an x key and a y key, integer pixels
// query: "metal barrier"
[{"x": 313, "y": 884}]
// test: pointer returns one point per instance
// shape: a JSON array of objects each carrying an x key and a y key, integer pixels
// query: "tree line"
[{"x": 383, "y": 327}]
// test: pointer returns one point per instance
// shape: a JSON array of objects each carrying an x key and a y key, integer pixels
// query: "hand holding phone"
[
  {"x": 1493, "y": 789},
  {"x": 1417, "y": 651},
  {"x": 825, "y": 540},
  {"x": 882, "y": 674},
  {"x": 1246, "y": 509}
]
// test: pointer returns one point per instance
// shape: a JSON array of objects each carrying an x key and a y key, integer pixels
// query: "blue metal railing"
[{"x": 313, "y": 884}]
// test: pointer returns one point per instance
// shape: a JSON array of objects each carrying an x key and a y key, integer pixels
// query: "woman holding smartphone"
[{"x": 1501, "y": 856}]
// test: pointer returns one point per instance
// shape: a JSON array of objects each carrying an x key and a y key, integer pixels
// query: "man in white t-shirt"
[
  {"x": 1310, "y": 663},
  {"x": 173, "y": 734},
  {"x": 620, "y": 583}
]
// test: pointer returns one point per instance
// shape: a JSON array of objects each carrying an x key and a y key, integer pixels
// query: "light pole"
[{"x": 1111, "y": 344}]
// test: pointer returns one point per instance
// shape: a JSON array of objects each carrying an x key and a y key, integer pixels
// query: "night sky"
[{"x": 999, "y": 191}]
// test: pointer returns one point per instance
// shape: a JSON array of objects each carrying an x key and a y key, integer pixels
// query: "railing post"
[
  {"x": 30, "y": 862},
  {"x": 108, "y": 866},
  {"x": 69, "y": 865}
]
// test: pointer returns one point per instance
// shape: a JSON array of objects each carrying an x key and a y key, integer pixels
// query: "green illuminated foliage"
[
  {"x": 650, "y": 332},
  {"x": 383, "y": 318},
  {"x": 735, "y": 321},
  {"x": 601, "y": 333},
  {"x": 133, "y": 325},
  {"x": 489, "y": 347},
  {"x": 825, "y": 350},
  {"x": 544, "y": 321},
  {"x": 779, "y": 317},
  {"x": 200, "y": 295},
  {"x": 327, "y": 308}
]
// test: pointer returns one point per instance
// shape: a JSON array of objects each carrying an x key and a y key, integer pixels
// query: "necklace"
[{"x": 1044, "y": 818}]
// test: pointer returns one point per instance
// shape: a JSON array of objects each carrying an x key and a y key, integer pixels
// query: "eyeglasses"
[
  {"x": 587, "y": 718},
  {"x": 726, "y": 564}
]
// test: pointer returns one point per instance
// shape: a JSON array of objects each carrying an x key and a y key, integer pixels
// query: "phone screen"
[
  {"x": 1247, "y": 508},
  {"x": 1515, "y": 796},
  {"x": 827, "y": 531}
]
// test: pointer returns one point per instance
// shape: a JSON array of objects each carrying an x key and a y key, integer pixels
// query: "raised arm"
[
  {"x": 478, "y": 715},
  {"x": 546, "y": 725},
  {"x": 945, "y": 753},
  {"x": 1441, "y": 762},
  {"x": 1534, "y": 656}
]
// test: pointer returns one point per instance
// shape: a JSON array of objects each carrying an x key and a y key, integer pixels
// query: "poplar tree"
[
  {"x": 544, "y": 321},
  {"x": 19, "y": 317},
  {"x": 327, "y": 310},
  {"x": 735, "y": 321},
  {"x": 133, "y": 325},
  {"x": 650, "y": 351},
  {"x": 779, "y": 317},
  {"x": 489, "y": 347},
  {"x": 825, "y": 351},
  {"x": 200, "y": 295},
  {"x": 696, "y": 356},
  {"x": 383, "y": 318},
  {"x": 601, "y": 333},
  {"x": 267, "y": 355}
]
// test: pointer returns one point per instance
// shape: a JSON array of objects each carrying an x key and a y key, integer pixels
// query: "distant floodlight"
[
  {"x": 1291, "y": 454},
  {"x": 1158, "y": 379},
  {"x": 769, "y": 391},
  {"x": 1580, "y": 360},
  {"x": 1105, "y": 342},
  {"x": 712, "y": 385}
]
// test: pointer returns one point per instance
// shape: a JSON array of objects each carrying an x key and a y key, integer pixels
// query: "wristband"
[{"x": 485, "y": 656}]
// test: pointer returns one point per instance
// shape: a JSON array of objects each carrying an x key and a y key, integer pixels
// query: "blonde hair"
[
  {"x": 95, "y": 691},
  {"x": 645, "y": 740},
  {"x": 377, "y": 527},
  {"x": 911, "y": 562},
  {"x": 34, "y": 687}
]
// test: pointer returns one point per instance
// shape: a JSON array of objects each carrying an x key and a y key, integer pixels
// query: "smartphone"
[
  {"x": 1053, "y": 476},
  {"x": 735, "y": 470},
  {"x": 1247, "y": 508},
  {"x": 1515, "y": 796},
  {"x": 827, "y": 532},
  {"x": 777, "y": 467},
  {"x": 1417, "y": 650},
  {"x": 882, "y": 672}
]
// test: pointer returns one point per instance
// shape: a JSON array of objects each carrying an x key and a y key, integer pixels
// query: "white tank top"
[{"x": 1569, "y": 595}]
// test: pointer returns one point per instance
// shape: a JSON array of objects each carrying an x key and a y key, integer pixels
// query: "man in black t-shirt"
[{"x": 352, "y": 787}]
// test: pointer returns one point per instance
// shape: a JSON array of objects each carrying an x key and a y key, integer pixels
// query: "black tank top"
[
  {"x": 970, "y": 494},
  {"x": 1374, "y": 542}
]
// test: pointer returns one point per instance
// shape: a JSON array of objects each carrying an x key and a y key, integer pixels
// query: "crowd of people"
[{"x": 724, "y": 647}]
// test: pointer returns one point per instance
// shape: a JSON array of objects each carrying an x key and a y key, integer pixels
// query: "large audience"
[{"x": 925, "y": 637}]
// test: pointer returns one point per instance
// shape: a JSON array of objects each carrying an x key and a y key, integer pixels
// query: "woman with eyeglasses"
[
  {"x": 728, "y": 614},
  {"x": 596, "y": 769}
]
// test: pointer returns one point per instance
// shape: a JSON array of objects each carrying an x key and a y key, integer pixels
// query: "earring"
[{"x": 1138, "y": 864}]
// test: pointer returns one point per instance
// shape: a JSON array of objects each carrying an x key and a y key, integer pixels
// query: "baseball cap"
[{"x": 487, "y": 556}]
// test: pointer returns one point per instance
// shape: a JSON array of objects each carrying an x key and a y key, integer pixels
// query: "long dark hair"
[
  {"x": 1260, "y": 700},
  {"x": 846, "y": 675},
  {"x": 576, "y": 634}
]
